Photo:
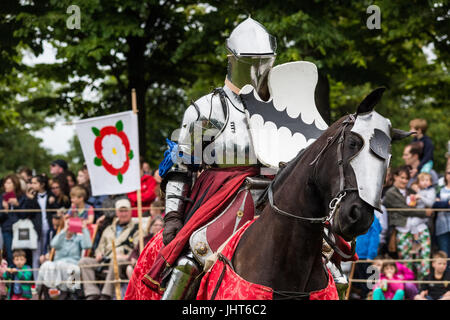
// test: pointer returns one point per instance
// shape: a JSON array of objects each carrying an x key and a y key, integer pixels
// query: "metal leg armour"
[
  {"x": 184, "y": 281},
  {"x": 339, "y": 279}
]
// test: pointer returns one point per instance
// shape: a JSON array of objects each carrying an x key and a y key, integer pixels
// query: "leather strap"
[{"x": 232, "y": 87}]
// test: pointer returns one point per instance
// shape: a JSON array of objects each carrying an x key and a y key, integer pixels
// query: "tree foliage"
[{"x": 173, "y": 51}]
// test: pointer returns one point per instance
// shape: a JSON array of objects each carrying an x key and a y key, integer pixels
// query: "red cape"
[{"x": 214, "y": 188}]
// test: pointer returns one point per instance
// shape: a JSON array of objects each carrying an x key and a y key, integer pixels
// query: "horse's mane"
[
  {"x": 288, "y": 167},
  {"x": 316, "y": 145}
]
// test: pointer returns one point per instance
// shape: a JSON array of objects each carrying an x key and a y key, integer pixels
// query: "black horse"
[{"x": 282, "y": 248}]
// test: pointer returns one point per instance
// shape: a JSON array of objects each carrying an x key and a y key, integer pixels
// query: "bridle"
[{"x": 335, "y": 202}]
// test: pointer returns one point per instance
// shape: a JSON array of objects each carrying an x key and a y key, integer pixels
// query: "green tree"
[{"x": 173, "y": 51}]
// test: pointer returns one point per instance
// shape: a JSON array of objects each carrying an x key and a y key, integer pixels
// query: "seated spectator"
[
  {"x": 125, "y": 234},
  {"x": 442, "y": 223},
  {"x": 107, "y": 216},
  {"x": 420, "y": 126},
  {"x": 79, "y": 207},
  {"x": 434, "y": 291},
  {"x": 366, "y": 248},
  {"x": 68, "y": 245},
  {"x": 154, "y": 227},
  {"x": 157, "y": 209},
  {"x": 3, "y": 289},
  {"x": 16, "y": 290},
  {"x": 57, "y": 224},
  {"x": 403, "y": 273},
  {"x": 385, "y": 290}
]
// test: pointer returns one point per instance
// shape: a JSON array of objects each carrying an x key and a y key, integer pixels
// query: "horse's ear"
[
  {"x": 398, "y": 134},
  {"x": 369, "y": 102}
]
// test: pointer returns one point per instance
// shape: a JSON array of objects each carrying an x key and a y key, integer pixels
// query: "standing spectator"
[
  {"x": 125, "y": 234},
  {"x": 39, "y": 197},
  {"x": 420, "y": 126},
  {"x": 61, "y": 191},
  {"x": 146, "y": 168},
  {"x": 158, "y": 180},
  {"x": 442, "y": 224},
  {"x": 79, "y": 207},
  {"x": 58, "y": 167},
  {"x": 16, "y": 290},
  {"x": 70, "y": 178},
  {"x": 84, "y": 181},
  {"x": 434, "y": 291},
  {"x": 424, "y": 198},
  {"x": 12, "y": 199},
  {"x": 26, "y": 174},
  {"x": 400, "y": 223},
  {"x": 68, "y": 245},
  {"x": 411, "y": 156}
]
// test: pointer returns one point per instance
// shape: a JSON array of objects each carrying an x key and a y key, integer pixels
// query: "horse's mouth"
[{"x": 349, "y": 228}]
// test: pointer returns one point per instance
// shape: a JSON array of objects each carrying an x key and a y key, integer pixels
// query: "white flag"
[{"x": 110, "y": 147}]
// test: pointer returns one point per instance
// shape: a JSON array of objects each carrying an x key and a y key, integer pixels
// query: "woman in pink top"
[{"x": 389, "y": 290}]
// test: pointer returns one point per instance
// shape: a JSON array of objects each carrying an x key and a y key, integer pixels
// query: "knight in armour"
[{"x": 213, "y": 166}]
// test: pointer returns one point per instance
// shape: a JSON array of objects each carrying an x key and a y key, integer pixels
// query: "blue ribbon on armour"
[{"x": 171, "y": 156}]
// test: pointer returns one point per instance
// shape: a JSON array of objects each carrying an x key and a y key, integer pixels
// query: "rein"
[{"x": 334, "y": 204}]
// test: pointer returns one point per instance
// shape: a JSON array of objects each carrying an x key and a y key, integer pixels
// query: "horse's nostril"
[{"x": 355, "y": 213}]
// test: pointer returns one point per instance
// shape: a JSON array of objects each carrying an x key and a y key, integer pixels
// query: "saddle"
[{"x": 207, "y": 239}]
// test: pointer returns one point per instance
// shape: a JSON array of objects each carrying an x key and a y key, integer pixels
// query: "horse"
[{"x": 285, "y": 242}]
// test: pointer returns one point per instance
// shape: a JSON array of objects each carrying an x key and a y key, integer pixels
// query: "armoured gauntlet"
[
  {"x": 173, "y": 222},
  {"x": 176, "y": 189}
]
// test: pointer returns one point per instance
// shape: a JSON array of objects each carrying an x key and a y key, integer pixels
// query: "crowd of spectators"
[
  {"x": 55, "y": 231},
  {"x": 410, "y": 227},
  {"x": 52, "y": 229}
]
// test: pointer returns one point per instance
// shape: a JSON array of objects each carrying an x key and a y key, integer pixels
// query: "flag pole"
[
  {"x": 139, "y": 196},
  {"x": 116, "y": 271}
]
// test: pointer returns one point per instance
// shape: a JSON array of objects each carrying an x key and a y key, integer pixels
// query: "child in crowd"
[
  {"x": 424, "y": 198},
  {"x": 3, "y": 268},
  {"x": 403, "y": 273},
  {"x": 436, "y": 291},
  {"x": 19, "y": 291},
  {"x": 80, "y": 208},
  {"x": 389, "y": 290},
  {"x": 426, "y": 161}
]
